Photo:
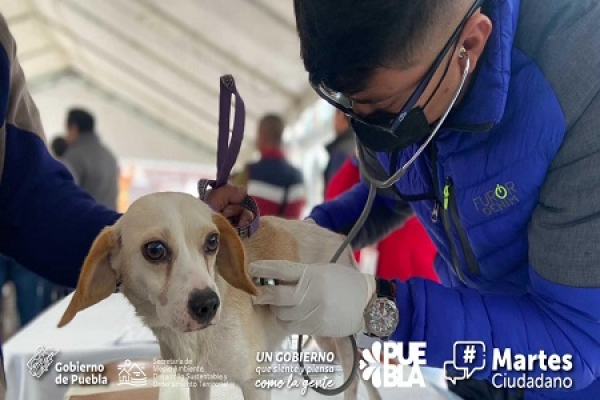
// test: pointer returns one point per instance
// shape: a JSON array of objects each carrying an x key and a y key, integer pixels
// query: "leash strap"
[{"x": 228, "y": 149}]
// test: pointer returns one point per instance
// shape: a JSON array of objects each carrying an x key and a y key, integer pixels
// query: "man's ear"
[
  {"x": 475, "y": 36},
  {"x": 231, "y": 257},
  {"x": 98, "y": 279}
]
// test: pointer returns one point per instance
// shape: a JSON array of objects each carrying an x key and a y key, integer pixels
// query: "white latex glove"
[{"x": 315, "y": 299}]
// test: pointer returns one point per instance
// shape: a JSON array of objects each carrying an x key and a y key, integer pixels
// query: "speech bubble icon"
[
  {"x": 450, "y": 372},
  {"x": 469, "y": 356}
]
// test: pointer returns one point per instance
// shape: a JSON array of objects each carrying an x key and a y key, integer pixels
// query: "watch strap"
[{"x": 385, "y": 288}]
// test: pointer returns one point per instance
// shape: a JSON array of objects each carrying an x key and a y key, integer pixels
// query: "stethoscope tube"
[{"x": 375, "y": 184}]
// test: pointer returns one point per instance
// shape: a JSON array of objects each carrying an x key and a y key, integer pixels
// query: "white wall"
[
  {"x": 127, "y": 131},
  {"x": 143, "y": 144}
]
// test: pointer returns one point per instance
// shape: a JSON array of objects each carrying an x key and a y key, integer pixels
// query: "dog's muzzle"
[{"x": 203, "y": 305}]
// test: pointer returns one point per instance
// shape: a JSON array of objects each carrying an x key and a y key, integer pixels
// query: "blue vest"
[{"x": 479, "y": 180}]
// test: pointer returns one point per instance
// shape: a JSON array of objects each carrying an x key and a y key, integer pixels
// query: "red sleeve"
[
  {"x": 347, "y": 176},
  {"x": 406, "y": 253}
]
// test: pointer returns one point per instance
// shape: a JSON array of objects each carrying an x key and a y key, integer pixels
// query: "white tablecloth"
[
  {"x": 102, "y": 333},
  {"x": 111, "y": 331}
]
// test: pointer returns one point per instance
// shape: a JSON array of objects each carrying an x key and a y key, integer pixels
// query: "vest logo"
[{"x": 500, "y": 198}]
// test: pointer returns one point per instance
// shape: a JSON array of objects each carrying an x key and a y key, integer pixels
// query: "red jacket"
[{"x": 405, "y": 253}]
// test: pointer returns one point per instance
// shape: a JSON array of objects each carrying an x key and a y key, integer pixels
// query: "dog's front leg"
[
  {"x": 200, "y": 393},
  {"x": 250, "y": 391}
]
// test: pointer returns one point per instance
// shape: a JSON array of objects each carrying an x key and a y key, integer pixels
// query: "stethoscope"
[{"x": 375, "y": 183}]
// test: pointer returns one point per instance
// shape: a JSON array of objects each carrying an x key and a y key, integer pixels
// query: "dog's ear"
[
  {"x": 97, "y": 280},
  {"x": 231, "y": 257}
]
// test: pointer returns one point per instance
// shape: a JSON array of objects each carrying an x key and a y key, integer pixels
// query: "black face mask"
[{"x": 413, "y": 129}]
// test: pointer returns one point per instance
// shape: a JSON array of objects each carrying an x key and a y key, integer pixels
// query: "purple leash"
[
  {"x": 229, "y": 149},
  {"x": 227, "y": 152}
]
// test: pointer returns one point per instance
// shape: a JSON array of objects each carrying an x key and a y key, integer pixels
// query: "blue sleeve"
[
  {"x": 341, "y": 212},
  {"x": 47, "y": 223},
  {"x": 556, "y": 318}
]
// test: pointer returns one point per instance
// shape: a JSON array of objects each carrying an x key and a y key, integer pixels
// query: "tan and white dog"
[{"x": 184, "y": 269}]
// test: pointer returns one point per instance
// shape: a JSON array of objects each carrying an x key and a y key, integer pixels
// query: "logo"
[
  {"x": 394, "y": 364},
  {"x": 501, "y": 192},
  {"x": 509, "y": 369},
  {"x": 131, "y": 373},
  {"x": 467, "y": 358},
  {"x": 497, "y": 200},
  {"x": 41, "y": 361}
]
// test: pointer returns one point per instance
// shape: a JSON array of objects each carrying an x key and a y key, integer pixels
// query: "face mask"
[{"x": 413, "y": 129}]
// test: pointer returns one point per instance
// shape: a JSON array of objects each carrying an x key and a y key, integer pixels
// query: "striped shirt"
[{"x": 276, "y": 185}]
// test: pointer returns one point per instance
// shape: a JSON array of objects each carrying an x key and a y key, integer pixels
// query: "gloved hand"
[{"x": 315, "y": 299}]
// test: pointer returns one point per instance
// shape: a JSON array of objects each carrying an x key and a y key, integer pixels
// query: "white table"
[{"x": 111, "y": 331}]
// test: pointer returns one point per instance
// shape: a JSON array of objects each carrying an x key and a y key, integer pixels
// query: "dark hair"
[
  {"x": 82, "y": 119},
  {"x": 272, "y": 126},
  {"x": 59, "y": 146},
  {"x": 344, "y": 41}
]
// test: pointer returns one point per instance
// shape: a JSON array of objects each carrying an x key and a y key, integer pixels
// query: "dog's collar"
[{"x": 228, "y": 150}]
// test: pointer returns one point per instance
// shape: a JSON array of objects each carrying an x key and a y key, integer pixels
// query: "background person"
[
  {"x": 59, "y": 146},
  {"x": 93, "y": 165},
  {"x": 341, "y": 147},
  {"x": 33, "y": 293},
  {"x": 275, "y": 184}
]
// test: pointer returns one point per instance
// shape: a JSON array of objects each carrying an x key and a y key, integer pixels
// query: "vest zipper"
[
  {"x": 445, "y": 214},
  {"x": 435, "y": 212},
  {"x": 451, "y": 208},
  {"x": 446, "y": 221}
]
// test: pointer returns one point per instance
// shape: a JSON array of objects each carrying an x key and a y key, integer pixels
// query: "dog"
[{"x": 184, "y": 269}]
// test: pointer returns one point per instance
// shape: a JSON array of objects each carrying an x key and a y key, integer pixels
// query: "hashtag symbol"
[{"x": 469, "y": 354}]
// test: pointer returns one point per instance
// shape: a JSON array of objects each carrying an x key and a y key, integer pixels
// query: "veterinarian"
[{"x": 508, "y": 188}]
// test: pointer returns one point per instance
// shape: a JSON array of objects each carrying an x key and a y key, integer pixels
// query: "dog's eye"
[
  {"x": 155, "y": 251},
  {"x": 212, "y": 243}
]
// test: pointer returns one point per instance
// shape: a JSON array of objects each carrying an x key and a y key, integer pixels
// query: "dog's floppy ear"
[
  {"x": 231, "y": 258},
  {"x": 97, "y": 280}
]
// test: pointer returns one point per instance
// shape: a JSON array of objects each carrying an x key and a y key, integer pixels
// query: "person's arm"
[
  {"x": 47, "y": 223},
  {"x": 561, "y": 312}
]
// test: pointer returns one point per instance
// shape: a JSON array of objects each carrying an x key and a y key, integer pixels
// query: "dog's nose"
[{"x": 203, "y": 305}]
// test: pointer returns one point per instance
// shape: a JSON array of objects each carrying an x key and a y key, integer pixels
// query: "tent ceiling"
[{"x": 165, "y": 57}]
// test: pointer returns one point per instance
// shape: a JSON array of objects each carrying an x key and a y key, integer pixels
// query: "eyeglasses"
[{"x": 344, "y": 103}]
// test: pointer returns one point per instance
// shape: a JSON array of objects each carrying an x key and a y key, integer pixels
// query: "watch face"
[{"x": 383, "y": 317}]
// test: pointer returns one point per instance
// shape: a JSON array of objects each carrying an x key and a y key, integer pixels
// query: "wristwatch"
[{"x": 382, "y": 315}]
